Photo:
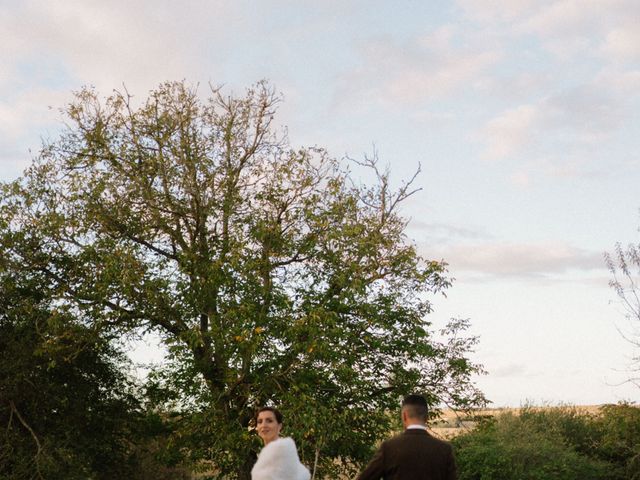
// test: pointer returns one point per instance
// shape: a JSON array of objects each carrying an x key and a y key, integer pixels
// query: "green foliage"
[
  {"x": 620, "y": 437},
  {"x": 66, "y": 409},
  {"x": 271, "y": 276},
  {"x": 553, "y": 443}
]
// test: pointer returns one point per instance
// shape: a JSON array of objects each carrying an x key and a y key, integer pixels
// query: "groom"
[{"x": 414, "y": 454}]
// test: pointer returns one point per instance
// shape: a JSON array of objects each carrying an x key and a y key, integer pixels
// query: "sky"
[{"x": 523, "y": 116}]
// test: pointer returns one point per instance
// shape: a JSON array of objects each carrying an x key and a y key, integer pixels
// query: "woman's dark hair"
[{"x": 276, "y": 413}]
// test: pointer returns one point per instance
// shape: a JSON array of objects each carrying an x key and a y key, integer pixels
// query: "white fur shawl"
[{"x": 279, "y": 460}]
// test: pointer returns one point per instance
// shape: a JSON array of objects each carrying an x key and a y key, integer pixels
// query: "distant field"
[{"x": 453, "y": 423}]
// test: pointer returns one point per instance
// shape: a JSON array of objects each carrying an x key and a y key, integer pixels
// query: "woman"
[{"x": 278, "y": 460}]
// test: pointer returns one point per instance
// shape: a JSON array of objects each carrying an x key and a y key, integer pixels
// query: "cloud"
[
  {"x": 511, "y": 131},
  {"x": 623, "y": 43},
  {"x": 625, "y": 83},
  {"x": 587, "y": 27},
  {"x": 517, "y": 370},
  {"x": 581, "y": 164},
  {"x": 565, "y": 28},
  {"x": 421, "y": 69},
  {"x": 500, "y": 260},
  {"x": 441, "y": 232},
  {"x": 108, "y": 43},
  {"x": 497, "y": 10},
  {"x": 564, "y": 18},
  {"x": 49, "y": 49},
  {"x": 563, "y": 121}
]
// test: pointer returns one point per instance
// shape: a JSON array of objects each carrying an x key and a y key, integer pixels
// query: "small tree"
[
  {"x": 270, "y": 275},
  {"x": 624, "y": 266}
]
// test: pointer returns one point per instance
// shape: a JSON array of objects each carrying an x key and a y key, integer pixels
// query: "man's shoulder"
[{"x": 417, "y": 435}]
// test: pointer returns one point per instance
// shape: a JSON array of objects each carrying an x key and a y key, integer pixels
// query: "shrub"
[{"x": 536, "y": 445}]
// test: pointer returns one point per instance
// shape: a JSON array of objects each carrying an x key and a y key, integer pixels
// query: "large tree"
[{"x": 271, "y": 275}]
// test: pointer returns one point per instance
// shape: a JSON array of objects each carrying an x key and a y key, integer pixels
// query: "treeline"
[{"x": 563, "y": 443}]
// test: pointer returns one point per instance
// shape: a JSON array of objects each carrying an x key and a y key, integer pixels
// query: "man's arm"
[{"x": 375, "y": 469}]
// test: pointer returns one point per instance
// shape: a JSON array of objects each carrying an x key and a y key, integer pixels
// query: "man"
[{"x": 414, "y": 454}]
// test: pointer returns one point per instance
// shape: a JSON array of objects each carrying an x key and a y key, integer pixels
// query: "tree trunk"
[{"x": 245, "y": 469}]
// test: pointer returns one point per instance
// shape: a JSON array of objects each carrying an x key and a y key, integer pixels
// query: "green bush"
[
  {"x": 561, "y": 443},
  {"x": 619, "y": 426}
]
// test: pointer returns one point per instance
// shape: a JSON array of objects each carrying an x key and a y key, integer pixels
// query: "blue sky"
[{"x": 523, "y": 116}]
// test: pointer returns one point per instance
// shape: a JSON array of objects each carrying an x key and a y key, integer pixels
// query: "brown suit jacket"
[{"x": 412, "y": 455}]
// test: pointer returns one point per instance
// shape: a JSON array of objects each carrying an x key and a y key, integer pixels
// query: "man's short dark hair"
[{"x": 416, "y": 406}]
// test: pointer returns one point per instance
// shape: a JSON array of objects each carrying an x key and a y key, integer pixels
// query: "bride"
[{"x": 278, "y": 460}]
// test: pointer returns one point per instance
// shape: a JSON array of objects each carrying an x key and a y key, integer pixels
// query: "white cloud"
[
  {"x": 492, "y": 10},
  {"x": 566, "y": 28},
  {"x": 585, "y": 27},
  {"x": 581, "y": 164},
  {"x": 511, "y": 131},
  {"x": 422, "y": 82},
  {"x": 564, "y": 121},
  {"x": 423, "y": 68},
  {"x": 564, "y": 18},
  {"x": 623, "y": 43},
  {"x": 500, "y": 260},
  {"x": 108, "y": 43},
  {"x": 625, "y": 83},
  {"x": 49, "y": 49}
]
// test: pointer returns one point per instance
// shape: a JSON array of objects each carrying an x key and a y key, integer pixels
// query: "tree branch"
[{"x": 35, "y": 437}]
